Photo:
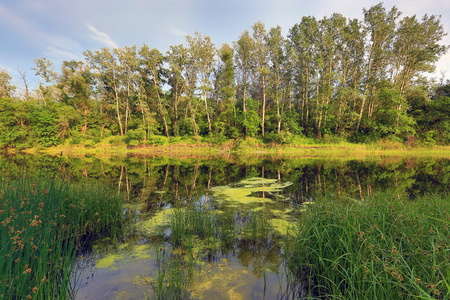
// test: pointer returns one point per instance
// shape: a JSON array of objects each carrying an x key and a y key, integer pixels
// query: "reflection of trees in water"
[{"x": 183, "y": 181}]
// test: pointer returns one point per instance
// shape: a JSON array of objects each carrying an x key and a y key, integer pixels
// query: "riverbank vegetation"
[
  {"x": 44, "y": 224},
  {"x": 384, "y": 247},
  {"x": 333, "y": 79}
]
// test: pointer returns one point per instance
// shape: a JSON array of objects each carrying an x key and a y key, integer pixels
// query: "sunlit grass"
[
  {"x": 206, "y": 147},
  {"x": 382, "y": 248}
]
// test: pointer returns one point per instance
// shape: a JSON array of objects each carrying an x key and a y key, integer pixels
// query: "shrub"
[{"x": 134, "y": 137}]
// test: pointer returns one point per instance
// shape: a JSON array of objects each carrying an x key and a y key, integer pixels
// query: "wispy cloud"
[{"x": 101, "y": 37}]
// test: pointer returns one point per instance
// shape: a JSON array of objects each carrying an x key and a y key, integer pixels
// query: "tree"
[
  {"x": 108, "y": 75},
  {"x": 275, "y": 44},
  {"x": 6, "y": 89},
  {"x": 23, "y": 75},
  {"x": 226, "y": 85},
  {"x": 75, "y": 84},
  {"x": 128, "y": 64},
  {"x": 244, "y": 48},
  {"x": 151, "y": 72},
  {"x": 416, "y": 49},
  {"x": 44, "y": 69},
  {"x": 380, "y": 26},
  {"x": 202, "y": 51},
  {"x": 261, "y": 66},
  {"x": 177, "y": 60}
]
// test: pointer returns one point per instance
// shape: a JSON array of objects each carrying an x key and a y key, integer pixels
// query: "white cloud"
[{"x": 100, "y": 36}]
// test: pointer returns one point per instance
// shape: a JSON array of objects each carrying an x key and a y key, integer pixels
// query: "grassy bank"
[
  {"x": 381, "y": 248},
  {"x": 207, "y": 148},
  {"x": 43, "y": 224}
]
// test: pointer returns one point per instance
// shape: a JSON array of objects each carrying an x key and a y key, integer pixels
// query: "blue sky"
[{"x": 61, "y": 30}]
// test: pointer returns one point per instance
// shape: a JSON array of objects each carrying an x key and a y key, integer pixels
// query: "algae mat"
[{"x": 244, "y": 191}]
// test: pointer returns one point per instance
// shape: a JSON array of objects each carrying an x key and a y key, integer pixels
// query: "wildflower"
[{"x": 45, "y": 191}]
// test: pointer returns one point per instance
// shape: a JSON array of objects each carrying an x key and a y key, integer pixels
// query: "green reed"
[
  {"x": 173, "y": 276},
  {"x": 43, "y": 223},
  {"x": 195, "y": 233},
  {"x": 384, "y": 247}
]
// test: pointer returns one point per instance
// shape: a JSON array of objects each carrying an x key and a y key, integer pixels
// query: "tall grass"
[
  {"x": 43, "y": 223},
  {"x": 381, "y": 248},
  {"x": 173, "y": 276}
]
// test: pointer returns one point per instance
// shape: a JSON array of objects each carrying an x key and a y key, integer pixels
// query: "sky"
[{"x": 62, "y": 30}]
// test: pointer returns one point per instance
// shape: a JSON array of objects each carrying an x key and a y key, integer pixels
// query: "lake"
[{"x": 266, "y": 193}]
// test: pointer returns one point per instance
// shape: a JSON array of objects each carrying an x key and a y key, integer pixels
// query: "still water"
[{"x": 239, "y": 188}]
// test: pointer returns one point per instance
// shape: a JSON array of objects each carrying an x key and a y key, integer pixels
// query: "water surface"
[{"x": 278, "y": 189}]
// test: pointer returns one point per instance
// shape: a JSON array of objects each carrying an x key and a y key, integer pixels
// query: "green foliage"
[
  {"x": 117, "y": 140},
  {"x": 252, "y": 121},
  {"x": 351, "y": 78},
  {"x": 157, "y": 140},
  {"x": 44, "y": 125},
  {"x": 291, "y": 121},
  {"x": 390, "y": 117},
  {"x": 6, "y": 88},
  {"x": 76, "y": 138},
  {"x": 134, "y": 137}
]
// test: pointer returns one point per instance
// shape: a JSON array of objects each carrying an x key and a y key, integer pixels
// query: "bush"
[
  {"x": 116, "y": 140},
  {"x": 134, "y": 137},
  {"x": 157, "y": 140},
  {"x": 76, "y": 138},
  {"x": 89, "y": 143}
]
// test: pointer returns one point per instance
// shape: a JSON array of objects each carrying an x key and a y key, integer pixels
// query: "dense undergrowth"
[{"x": 44, "y": 222}]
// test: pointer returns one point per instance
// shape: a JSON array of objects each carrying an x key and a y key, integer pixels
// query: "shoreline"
[{"x": 206, "y": 150}]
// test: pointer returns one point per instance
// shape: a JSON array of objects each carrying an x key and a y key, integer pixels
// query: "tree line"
[{"x": 347, "y": 79}]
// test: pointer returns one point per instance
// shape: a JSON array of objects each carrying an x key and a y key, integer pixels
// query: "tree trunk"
[
  {"x": 207, "y": 113},
  {"x": 264, "y": 106},
  {"x": 118, "y": 111}
]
